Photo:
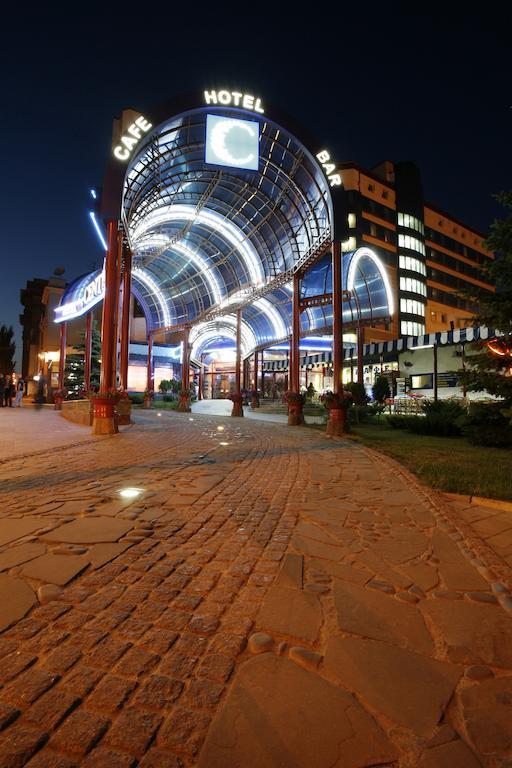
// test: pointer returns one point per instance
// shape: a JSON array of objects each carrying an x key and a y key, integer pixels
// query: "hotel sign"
[{"x": 234, "y": 99}]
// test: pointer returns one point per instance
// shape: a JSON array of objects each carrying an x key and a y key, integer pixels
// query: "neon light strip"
[
  {"x": 211, "y": 220},
  {"x": 356, "y": 257},
  {"x": 223, "y": 326},
  {"x": 193, "y": 256},
  {"x": 273, "y": 315},
  {"x": 141, "y": 274},
  {"x": 98, "y": 230}
]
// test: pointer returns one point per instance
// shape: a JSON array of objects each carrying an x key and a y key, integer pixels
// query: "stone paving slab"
[
  {"x": 284, "y": 598},
  {"x": 281, "y": 716}
]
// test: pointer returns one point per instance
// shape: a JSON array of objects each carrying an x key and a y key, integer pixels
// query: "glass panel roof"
[
  {"x": 207, "y": 232},
  {"x": 205, "y": 237}
]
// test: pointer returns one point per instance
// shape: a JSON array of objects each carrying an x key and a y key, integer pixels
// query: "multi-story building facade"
[{"x": 431, "y": 257}]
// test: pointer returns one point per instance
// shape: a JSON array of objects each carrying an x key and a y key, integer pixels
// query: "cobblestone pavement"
[{"x": 270, "y": 598}]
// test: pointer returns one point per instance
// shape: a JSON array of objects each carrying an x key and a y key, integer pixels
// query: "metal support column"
[
  {"x": 108, "y": 329},
  {"x": 237, "y": 397},
  {"x": 435, "y": 370},
  {"x": 201, "y": 378},
  {"x": 337, "y": 317},
  {"x": 62, "y": 358},
  {"x": 255, "y": 376},
  {"x": 88, "y": 351},
  {"x": 125, "y": 318},
  {"x": 360, "y": 345},
  {"x": 295, "y": 414},
  {"x": 184, "y": 401}
]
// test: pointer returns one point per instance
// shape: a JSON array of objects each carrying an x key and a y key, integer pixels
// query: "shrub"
[
  {"x": 381, "y": 389},
  {"x": 441, "y": 418},
  {"x": 487, "y": 424},
  {"x": 136, "y": 399},
  {"x": 398, "y": 421}
]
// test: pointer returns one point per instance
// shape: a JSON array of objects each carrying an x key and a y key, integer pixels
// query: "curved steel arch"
[{"x": 173, "y": 203}]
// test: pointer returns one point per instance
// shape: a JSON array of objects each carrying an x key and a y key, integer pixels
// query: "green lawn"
[{"x": 448, "y": 463}]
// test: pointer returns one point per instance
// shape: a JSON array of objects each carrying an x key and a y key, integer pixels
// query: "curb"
[{"x": 481, "y": 501}]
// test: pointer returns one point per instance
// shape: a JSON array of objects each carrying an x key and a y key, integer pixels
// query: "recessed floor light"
[
  {"x": 130, "y": 493},
  {"x": 223, "y": 443}
]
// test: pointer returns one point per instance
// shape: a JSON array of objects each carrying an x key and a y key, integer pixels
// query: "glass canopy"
[{"x": 209, "y": 237}]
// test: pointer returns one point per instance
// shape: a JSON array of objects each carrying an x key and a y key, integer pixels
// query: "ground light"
[
  {"x": 220, "y": 429},
  {"x": 130, "y": 493},
  {"x": 223, "y": 443}
]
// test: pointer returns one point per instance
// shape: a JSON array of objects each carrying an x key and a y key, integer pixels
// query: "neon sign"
[
  {"x": 234, "y": 98},
  {"x": 231, "y": 142},
  {"x": 333, "y": 177},
  {"x": 90, "y": 294},
  {"x": 131, "y": 138}
]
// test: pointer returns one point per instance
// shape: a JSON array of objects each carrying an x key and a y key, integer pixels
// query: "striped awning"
[{"x": 442, "y": 338}]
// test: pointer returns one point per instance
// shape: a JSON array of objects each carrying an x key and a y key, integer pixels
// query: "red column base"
[
  {"x": 295, "y": 415},
  {"x": 337, "y": 423},
  {"x": 148, "y": 402},
  {"x": 237, "y": 400},
  {"x": 255, "y": 402},
  {"x": 57, "y": 403},
  {"x": 104, "y": 421},
  {"x": 184, "y": 404}
]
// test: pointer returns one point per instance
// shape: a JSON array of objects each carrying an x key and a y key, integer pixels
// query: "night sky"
[{"x": 404, "y": 86}]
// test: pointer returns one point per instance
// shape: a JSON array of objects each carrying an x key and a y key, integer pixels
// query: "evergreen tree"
[
  {"x": 7, "y": 349},
  {"x": 74, "y": 370},
  {"x": 488, "y": 371},
  {"x": 381, "y": 389}
]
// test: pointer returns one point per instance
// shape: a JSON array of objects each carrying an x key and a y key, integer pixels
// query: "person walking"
[
  {"x": 2, "y": 389},
  {"x": 18, "y": 400},
  {"x": 8, "y": 391}
]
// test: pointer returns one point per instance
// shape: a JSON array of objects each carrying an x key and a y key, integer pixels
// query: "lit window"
[
  {"x": 351, "y": 220},
  {"x": 414, "y": 265},
  {"x": 411, "y": 243},
  {"x": 409, "y": 328}
]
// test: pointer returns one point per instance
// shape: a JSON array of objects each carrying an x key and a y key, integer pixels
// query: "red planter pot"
[
  {"x": 337, "y": 424},
  {"x": 103, "y": 407}
]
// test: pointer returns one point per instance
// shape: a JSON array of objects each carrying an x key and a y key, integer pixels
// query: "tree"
[
  {"x": 7, "y": 349},
  {"x": 381, "y": 389},
  {"x": 488, "y": 371},
  {"x": 74, "y": 370}
]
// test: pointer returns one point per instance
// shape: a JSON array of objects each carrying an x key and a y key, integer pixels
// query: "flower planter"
[
  {"x": 124, "y": 411},
  {"x": 337, "y": 423},
  {"x": 57, "y": 402},
  {"x": 255, "y": 401},
  {"x": 104, "y": 417},
  {"x": 237, "y": 399},
  {"x": 295, "y": 405},
  {"x": 148, "y": 401}
]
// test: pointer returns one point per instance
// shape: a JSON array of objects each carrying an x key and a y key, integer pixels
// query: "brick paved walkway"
[{"x": 280, "y": 601}]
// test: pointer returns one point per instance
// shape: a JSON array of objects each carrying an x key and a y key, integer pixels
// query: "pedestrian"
[
  {"x": 2, "y": 388},
  {"x": 18, "y": 400},
  {"x": 8, "y": 392}
]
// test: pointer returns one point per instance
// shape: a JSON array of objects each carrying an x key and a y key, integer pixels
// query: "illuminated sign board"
[
  {"x": 131, "y": 138},
  {"x": 91, "y": 293},
  {"x": 231, "y": 142},
  {"x": 234, "y": 99},
  {"x": 333, "y": 177}
]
